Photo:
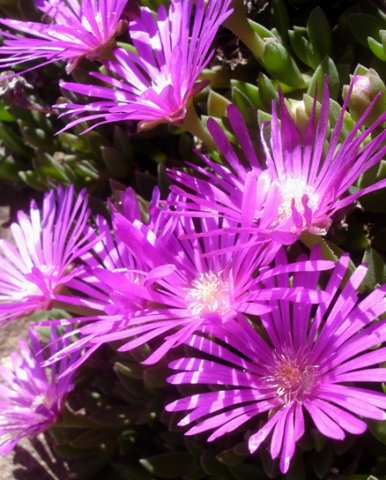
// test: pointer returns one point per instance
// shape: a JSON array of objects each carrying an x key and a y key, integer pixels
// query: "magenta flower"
[
  {"x": 304, "y": 180},
  {"x": 76, "y": 29},
  {"x": 108, "y": 254},
  {"x": 31, "y": 396},
  {"x": 155, "y": 84},
  {"x": 183, "y": 284},
  {"x": 302, "y": 360},
  {"x": 47, "y": 243}
]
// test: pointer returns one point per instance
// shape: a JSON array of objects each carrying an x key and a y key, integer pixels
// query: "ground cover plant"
[{"x": 202, "y": 260}]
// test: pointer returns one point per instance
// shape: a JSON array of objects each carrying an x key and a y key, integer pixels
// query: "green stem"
[
  {"x": 192, "y": 124},
  {"x": 238, "y": 24}
]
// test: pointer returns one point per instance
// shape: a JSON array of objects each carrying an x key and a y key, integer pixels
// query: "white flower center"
[
  {"x": 291, "y": 377},
  {"x": 209, "y": 293},
  {"x": 39, "y": 400},
  {"x": 295, "y": 191},
  {"x": 161, "y": 81}
]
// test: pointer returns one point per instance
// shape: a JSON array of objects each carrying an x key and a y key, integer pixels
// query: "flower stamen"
[{"x": 209, "y": 293}]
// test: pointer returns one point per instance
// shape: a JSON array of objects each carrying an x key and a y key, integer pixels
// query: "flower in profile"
[
  {"x": 302, "y": 359},
  {"x": 155, "y": 84},
  {"x": 46, "y": 244},
  {"x": 75, "y": 29},
  {"x": 31, "y": 396},
  {"x": 186, "y": 284},
  {"x": 306, "y": 177}
]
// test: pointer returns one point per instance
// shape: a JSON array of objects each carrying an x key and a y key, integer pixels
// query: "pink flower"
[
  {"x": 155, "y": 84},
  {"x": 299, "y": 182},
  {"x": 300, "y": 359},
  {"x": 31, "y": 396},
  {"x": 47, "y": 243},
  {"x": 180, "y": 284},
  {"x": 77, "y": 29}
]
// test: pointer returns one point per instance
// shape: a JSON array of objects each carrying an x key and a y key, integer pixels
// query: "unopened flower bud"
[
  {"x": 365, "y": 89},
  {"x": 298, "y": 112}
]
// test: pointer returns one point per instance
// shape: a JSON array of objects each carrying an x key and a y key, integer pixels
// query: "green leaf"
[
  {"x": 218, "y": 76},
  {"x": 12, "y": 141},
  {"x": 168, "y": 465},
  {"x": 229, "y": 457},
  {"x": 378, "y": 49},
  {"x": 72, "y": 453},
  {"x": 217, "y": 104},
  {"x": 327, "y": 67},
  {"x": 376, "y": 273},
  {"x": 242, "y": 102},
  {"x": 319, "y": 32},
  {"x": 303, "y": 48},
  {"x": 376, "y": 201},
  {"x": 363, "y": 26},
  {"x": 33, "y": 180},
  {"x": 261, "y": 31},
  {"x": 8, "y": 169},
  {"x": 87, "y": 170},
  {"x": 51, "y": 167},
  {"x": 5, "y": 114},
  {"x": 246, "y": 471},
  {"x": 267, "y": 91},
  {"x": 212, "y": 466},
  {"x": 88, "y": 467},
  {"x": 323, "y": 461},
  {"x": 280, "y": 17},
  {"x": 197, "y": 473},
  {"x": 250, "y": 91},
  {"x": 122, "y": 143},
  {"x": 116, "y": 163},
  {"x": 357, "y": 239},
  {"x": 279, "y": 63},
  {"x": 270, "y": 466},
  {"x": 92, "y": 438},
  {"x": 115, "y": 417},
  {"x": 37, "y": 138},
  {"x": 378, "y": 429},
  {"x": 155, "y": 376},
  {"x": 73, "y": 142},
  {"x": 124, "y": 471}
]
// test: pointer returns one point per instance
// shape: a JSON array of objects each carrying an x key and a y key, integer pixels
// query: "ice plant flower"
[
  {"x": 46, "y": 243},
  {"x": 31, "y": 396},
  {"x": 108, "y": 254},
  {"x": 75, "y": 29},
  {"x": 302, "y": 180},
  {"x": 185, "y": 284},
  {"x": 301, "y": 360},
  {"x": 155, "y": 84}
]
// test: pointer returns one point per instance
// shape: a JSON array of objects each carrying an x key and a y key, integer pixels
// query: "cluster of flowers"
[
  {"x": 281, "y": 343},
  {"x": 153, "y": 83},
  {"x": 197, "y": 273}
]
